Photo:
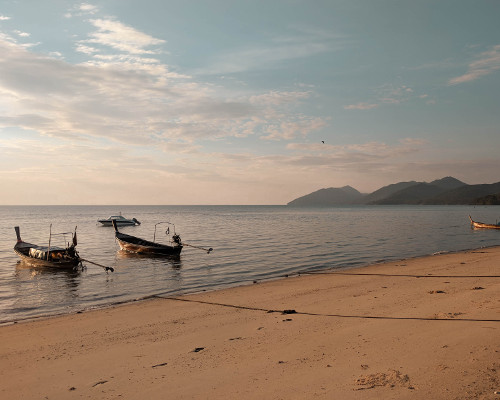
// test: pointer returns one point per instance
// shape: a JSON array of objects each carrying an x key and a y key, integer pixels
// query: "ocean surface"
[{"x": 250, "y": 243}]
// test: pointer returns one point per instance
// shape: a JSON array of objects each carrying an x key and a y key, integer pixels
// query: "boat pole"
[{"x": 50, "y": 237}]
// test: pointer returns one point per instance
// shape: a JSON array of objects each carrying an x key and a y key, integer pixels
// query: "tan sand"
[{"x": 433, "y": 338}]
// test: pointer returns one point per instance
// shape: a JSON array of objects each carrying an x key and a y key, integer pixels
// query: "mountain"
[
  {"x": 448, "y": 183},
  {"x": 468, "y": 194},
  {"x": 422, "y": 192},
  {"x": 489, "y": 200},
  {"x": 387, "y": 191},
  {"x": 447, "y": 190},
  {"x": 328, "y": 197},
  {"x": 415, "y": 194}
]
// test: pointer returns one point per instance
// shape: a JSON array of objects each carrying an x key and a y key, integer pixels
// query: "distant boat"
[
  {"x": 48, "y": 256},
  {"x": 475, "y": 224},
  {"x": 120, "y": 221},
  {"x": 137, "y": 245}
]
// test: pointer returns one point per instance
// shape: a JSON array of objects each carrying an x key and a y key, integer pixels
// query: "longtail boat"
[
  {"x": 48, "y": 256},
  {"x": 137, "y": 245},
  {"x": 482, "y": 225}
]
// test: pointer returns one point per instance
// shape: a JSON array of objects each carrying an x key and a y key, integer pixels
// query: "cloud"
[
  {"x": 123, "y": 100},
  {"x": 4, "y": 18},
  {"x": 385, "y": 95},
  {"x": 121, "y": 37},
  {"x": 22, "y": 34},
  {"x": 88, "y": 8},
  {"x": 291, "y": 129},
  {"x": 361, "y": 106},
  {"x": 259, "y": 58},
  {"x": 487, "y": 63},
  {"x": 275, "y": 97},
  {"x": 302, "y": 43},
  {"x": 348, "y": 155},
  {"x": 134, "y": 99},
  {"x": 82, "y": 9}
]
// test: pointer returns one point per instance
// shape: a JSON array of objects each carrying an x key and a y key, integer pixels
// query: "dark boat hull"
[
  {"x": 106, "y": 222},
  {"x": 22, "y": 250},
  {"x": 136, "y": 245}
]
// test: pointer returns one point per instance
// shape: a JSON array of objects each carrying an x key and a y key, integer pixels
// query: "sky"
[{"x": 243, "y": 102}]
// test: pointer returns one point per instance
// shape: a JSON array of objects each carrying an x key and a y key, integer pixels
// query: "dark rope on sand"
[
  {"x": 317, "y": 272},
  {"x": 324, "y": 315}
]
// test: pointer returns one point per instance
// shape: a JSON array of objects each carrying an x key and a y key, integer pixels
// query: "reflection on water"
[
  {"x": 23, "y": 268},
  {"x": 250, "y": 242},
  {"x": 173, "y": 260},
  {"x": 44, "y": 290}
]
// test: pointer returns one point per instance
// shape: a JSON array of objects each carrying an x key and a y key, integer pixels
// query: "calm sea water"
[{"x": 250, "y": 243}]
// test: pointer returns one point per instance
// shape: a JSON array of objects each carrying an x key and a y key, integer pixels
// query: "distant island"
[{"x": 447, "y": 190}]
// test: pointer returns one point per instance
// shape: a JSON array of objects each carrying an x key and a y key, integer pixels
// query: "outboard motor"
[
  {"x": 176, "y": 239},
  {"x": 136, "y": 222}
]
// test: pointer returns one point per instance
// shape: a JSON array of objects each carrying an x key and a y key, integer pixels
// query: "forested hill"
[{"x": 447, "y": 190}]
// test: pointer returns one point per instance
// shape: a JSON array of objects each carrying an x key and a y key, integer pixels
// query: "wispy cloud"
[
  {"x": 361, "y": 106},
  {"x": 121, "y": 37},
  {"x": 357, "y": 152},
  {"x": 82, "y": 9},
  {"x": 386, "y": 95},
  {"x": 22, "y": 34},
  {"x": 486, "y": 63},
  {"x": 301, "y": 43},
  {"x": 89, "y": 8},
  {"x": 4, "y": 18},
  {"x": 275, "y": 97}
]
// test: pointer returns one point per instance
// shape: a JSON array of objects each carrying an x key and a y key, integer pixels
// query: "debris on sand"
[{"x": 390, "y": 378}]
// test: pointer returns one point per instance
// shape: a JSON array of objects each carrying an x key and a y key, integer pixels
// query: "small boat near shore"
[
  {"x": 48, "y": 256},
  {"x": 481, "y": 225},
  {"x": 120, "y": 221},
  {"x": 141, "y": 246}
]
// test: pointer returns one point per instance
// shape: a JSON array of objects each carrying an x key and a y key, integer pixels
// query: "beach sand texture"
[{"x": 423, "y": 328}]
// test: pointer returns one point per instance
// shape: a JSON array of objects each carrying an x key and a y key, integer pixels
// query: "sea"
[{"x": 250, "y": 244}]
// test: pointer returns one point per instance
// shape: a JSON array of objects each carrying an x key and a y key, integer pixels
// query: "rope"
[
  {"x": 197, "y": 247},
  {"x": 99, "y": 265},
  {"x": 399, "y": 275},
  {"x": 326, "y": 315}
]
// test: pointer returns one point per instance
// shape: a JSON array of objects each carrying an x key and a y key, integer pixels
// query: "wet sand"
[{"x": 423, "y": 328}]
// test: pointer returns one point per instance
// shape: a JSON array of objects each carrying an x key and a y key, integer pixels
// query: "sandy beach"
[{"x": 423, "y": 328}]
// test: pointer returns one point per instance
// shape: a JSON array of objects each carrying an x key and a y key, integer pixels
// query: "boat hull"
[
  {"x": 68, "y": 263},
  {"x": 106, "y": 222},
  {"x": 480, "y": 225},
  {"x": 139, "y": 246}
]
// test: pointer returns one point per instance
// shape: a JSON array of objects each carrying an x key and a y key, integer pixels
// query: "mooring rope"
[{"x": 290, "y": 311}]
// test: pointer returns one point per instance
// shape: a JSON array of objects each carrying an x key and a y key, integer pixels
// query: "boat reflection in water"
[
  {"x": 44, "y": 290},
  {"x": 173, "y": 261}
]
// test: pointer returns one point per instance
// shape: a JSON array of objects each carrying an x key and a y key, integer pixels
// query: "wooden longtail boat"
[
  {"x": 48, "y": 256},
  {"x": 137, "y": 245},
  {"x": 482, "y": 225}
]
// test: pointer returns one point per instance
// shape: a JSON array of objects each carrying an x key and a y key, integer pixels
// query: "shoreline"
[
  {"x": 416, "y": 328},
  {"x": 326, "y": 270}
]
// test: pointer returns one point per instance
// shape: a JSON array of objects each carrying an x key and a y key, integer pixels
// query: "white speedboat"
[{"x": 120, "y": 221}]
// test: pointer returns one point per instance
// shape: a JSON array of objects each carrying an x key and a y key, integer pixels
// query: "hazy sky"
[{"x": 228, "y": 101}]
